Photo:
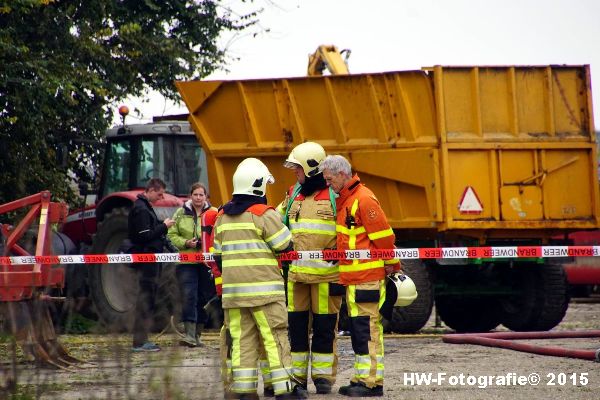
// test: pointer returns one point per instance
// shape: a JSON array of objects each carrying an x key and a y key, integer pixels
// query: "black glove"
[{"x": 285, "y": 265}]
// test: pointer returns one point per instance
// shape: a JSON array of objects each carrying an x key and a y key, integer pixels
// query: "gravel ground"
[{"x": 411, "y": 360}]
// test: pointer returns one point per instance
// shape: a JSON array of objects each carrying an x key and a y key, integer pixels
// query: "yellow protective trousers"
[
  {"x": 316, "y": 306},
  {"x": 225, "y": 353},
  {"x": 249, "y": 326},
  {"x": 364, "y": 301}
]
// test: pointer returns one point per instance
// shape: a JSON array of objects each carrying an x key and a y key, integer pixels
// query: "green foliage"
[
  {"x": 64, "y": 64},
  {"x": 78, "y": 324}
]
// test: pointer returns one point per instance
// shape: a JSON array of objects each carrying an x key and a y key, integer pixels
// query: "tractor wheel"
[
  {"x": 469, "y": 314},
  {"x": 114, "y": 287},
  {"x": 168, "y": 299},
  {"x": 541, "y": 300},
  {"x": 413, "y": 317}
]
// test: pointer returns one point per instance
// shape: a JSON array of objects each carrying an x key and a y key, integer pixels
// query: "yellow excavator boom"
[{"x": 330, "y": 58}]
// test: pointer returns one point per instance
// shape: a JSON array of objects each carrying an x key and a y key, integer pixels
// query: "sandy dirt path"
[{"x": 411, "y": 364}]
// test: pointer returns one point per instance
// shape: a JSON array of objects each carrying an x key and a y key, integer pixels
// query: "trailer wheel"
[
  {"x": 412, "y": 318},
  {"x": 114, "y": 287},
  {"x": 541, "y": 301},
  {"x": 469, "y": 314}
]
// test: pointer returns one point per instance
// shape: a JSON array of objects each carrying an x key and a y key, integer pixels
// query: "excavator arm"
[{"x": 328, "y": 56}]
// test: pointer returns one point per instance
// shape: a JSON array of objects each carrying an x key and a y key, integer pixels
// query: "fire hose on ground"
[{"x": 508, "y": 340}]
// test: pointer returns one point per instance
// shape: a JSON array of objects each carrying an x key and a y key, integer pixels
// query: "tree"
[{"x": 64, "y": 63}]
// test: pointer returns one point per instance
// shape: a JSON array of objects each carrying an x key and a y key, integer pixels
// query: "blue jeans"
[{"x": 196, "y": 290}]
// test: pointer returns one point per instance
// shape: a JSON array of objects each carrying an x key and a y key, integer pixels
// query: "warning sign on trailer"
[{"x": 469, "y": 202}]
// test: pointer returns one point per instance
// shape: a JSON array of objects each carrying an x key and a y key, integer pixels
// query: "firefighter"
[
  {"x": 361, "y": 224},
  {"x": 313, "y": 294},
  {"x": 248, "y": 234}
]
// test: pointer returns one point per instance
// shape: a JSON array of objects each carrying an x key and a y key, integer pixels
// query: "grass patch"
[{"x": 32, "y": 392}]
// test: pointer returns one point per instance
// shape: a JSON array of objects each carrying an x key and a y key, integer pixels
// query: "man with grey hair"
[
  {"x": 361, "y": 224},
  {"x": 339, "y": 170}
]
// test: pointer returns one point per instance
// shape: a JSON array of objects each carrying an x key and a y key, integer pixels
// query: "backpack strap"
[
  {"x": 332, "y": 197},
  {"x": 294, "y": 192}
]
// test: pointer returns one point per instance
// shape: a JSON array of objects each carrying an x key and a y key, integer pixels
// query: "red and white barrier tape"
[{"x": 402, "y": 254}]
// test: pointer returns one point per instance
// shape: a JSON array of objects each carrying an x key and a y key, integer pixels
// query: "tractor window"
[
  {"x": 155, "y": 161},
  {"x": 132, "y": 160},
  {"x": 190, "y": 163},
  {"x": 117, "y": 167}
]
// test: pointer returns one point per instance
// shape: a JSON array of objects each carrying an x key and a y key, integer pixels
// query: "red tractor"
[{"x": 165, "y": 149}]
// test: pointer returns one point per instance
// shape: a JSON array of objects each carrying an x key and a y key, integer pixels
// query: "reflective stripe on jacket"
[
  {"x": 311, "y": 221},
  {"x": 247, "y": 243},
  {"x": 361, "y": 224}
]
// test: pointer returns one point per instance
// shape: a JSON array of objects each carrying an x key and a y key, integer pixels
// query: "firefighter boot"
[
  {"x": 189, "y": 339},
  {"x": 323, "y": 386},
  {"x": 299, "y": 392},
  {"x": 359, "y": 389}
]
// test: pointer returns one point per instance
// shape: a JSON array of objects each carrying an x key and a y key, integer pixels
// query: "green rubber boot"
[{"x": 189, "y": 339}]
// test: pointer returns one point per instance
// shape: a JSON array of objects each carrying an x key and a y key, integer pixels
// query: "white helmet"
[
  {"x": 308, "y": 155},
  {"x": 406, "y": 291},
  {"x": 400, "y": 291},
  {"x": 251, "y": 177}
]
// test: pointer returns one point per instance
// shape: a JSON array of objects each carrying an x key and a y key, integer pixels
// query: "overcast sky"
[{"x": 388, "y": 35}]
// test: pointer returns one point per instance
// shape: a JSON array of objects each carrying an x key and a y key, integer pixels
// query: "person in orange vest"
[
  {"x": 248, "y": 236},
  {"x": 361, "y": 224}
]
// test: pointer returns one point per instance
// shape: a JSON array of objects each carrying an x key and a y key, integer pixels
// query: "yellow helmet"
[
  {"x": 251, "y": 177},
  {"x": 308, "y": 155}
]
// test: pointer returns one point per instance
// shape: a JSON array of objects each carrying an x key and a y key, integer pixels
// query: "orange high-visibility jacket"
[
  {"x": 208, "y": 235},
  {"x": 361, "y": 224}
]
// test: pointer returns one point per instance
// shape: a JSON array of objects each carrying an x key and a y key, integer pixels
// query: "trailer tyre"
[
  {"x": 468, "y": 314},
  {"x": 542, "y": 299},
  {"x": 413, "y": 317}
]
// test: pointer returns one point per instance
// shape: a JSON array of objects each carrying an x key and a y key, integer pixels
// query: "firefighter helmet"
[
  {"x": 308, "y": 155},
  {"x": 400, "y": 291},
  {"x": 251, "y": 177}
]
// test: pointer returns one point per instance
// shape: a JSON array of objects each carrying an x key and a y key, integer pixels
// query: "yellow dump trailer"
[{"x": 500, "y": 155}]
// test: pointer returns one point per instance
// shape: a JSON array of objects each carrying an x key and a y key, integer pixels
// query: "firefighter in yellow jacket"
[
  {"x": 313, "y": 294},
  {"x": 248, "y": 234},
  {"x": 361, "y": 224}
]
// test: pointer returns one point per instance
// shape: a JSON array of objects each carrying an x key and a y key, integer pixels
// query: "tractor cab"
[{"x": 166, "y": 149}]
